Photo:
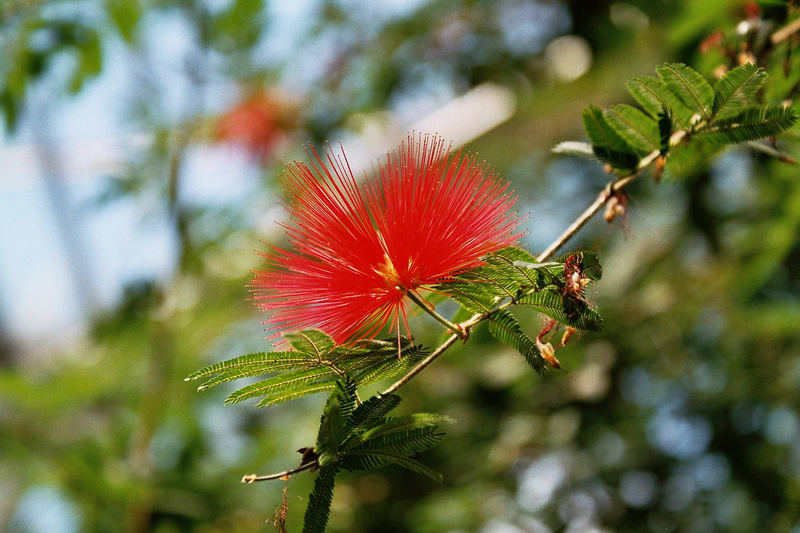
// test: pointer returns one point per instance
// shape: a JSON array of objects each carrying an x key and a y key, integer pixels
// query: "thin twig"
[
  {"x": 587, "y": 214},
  {"x": 785, "y": 32},
  {"x": 252, "y": 478},
  {"x": 422, "y": 364},
  {"x": 455, "y": 328},
  {"x": 769, "y": 150},
  {"x": 595, "y": 206}
]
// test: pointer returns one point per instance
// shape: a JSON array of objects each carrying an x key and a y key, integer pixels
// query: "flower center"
[{"x": 388, "y": 272}]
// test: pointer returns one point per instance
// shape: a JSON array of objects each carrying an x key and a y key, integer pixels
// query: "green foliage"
[
  {"x": 479, "y": 290},
  {"x": 736, "y": 89},
  {"x": 506, "y": 328},
  {"x": 638, "y": 130},
  {"x": 335, "y": 422},
  {"x": 319, "y": 502},
  {"x": 512, "y": 276},
  {"x": 313, "y": 366},
  {"x": 357, "y": 436},
  {"x": 552, "y": 304},
  {"x": 689, "y": 86},
  {"x": 751, "y": 123},
  {"x": 682, "y": 100},
  {"x": 665, "y": 122},
  {"x": 654, "y": 96},
  {"x": 608, "y": 145}
]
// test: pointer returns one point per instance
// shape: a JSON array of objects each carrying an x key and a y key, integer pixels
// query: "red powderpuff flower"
[
  {"x": 258, "y": 123},
  {"x": 359, "y": 247}
]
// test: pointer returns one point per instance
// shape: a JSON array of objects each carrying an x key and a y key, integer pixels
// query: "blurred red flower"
[
  {"x": 359, "y": 247},
  {"x": 259, "y": 123}
]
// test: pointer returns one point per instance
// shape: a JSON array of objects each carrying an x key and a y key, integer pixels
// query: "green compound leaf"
[
  {"x": 690, "y": 160},
  {"x": 736, "y": 89},
  {"x": 399, "y": 424},
  {"x": 335, "y": 421},
  {"x": 254, "y": 364},
  {"x": 372, "y": 412},
  {"x": 319, "y": 502},
  {"x": 638, "y": 130},
  {"x": 286, "y": 382},
  {"x": 654, "y": 95},
  {"x": 293, "y": 374},
  {"x": 374, "y": 459},
  {"x": 400, "y": 440},
  {"x": 479, "y": 290},
  {"x": 313, "y": 342},
  {"x": 504, "y": 327},
  {"x": 552, "y": 304},
  {"x": 607, "y": 144},
  {"x": 689, "y": 86},
  {"x": 751, "y": 123}
]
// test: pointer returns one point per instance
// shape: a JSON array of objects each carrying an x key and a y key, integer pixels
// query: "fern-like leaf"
[
  {"x": 408, "y": 443},
  {"x": 313, "y": 342},
  {"x": 287, "y": 381},
  {"x": 751, "y": 123},
  {"x": 638, "y": 130},
  {"x": 374, "y": 459},
  {"x": 378, "y": 366},
  {"x": 400, "y": 424},
  {"x": 373, "y": 411},
  {"x": 736, "y": 89},
  {"x": 278, "y": 397},
  {"x": 654, "y": 95},
  {"x": 607, "y": 144},
  {"x": 664, "y": 130},
  {"x": 247, "y": 365},
  {"x": 691, "y": 159},
  {"x": 319, "y": 502},
  {"x": 335, "y": 422},
  {"x": 552, "y": 304},
  {"x": 505, "y": 328},
  {"x": 689, "y": 86}
]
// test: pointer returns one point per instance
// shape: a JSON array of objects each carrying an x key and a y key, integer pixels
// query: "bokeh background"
[{"x": 139, "y": 165}]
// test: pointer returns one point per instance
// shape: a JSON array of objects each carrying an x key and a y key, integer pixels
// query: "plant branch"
[
  {"x": 252, "y": 478},
  {"x": 425, "y": 362},
  {"x": 462, "y": 329},
  {"x": 455, "y": 328},
  {"x": 465, "y": 326},
  {"x": 785, "y": 32},
  {"x": 595, "y": 206}
]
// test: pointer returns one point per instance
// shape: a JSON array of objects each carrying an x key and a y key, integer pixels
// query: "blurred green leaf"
[{"x": 126, "y": 15}]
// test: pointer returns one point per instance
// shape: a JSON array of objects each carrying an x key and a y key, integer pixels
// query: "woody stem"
[{"x": 455, "y": 328}]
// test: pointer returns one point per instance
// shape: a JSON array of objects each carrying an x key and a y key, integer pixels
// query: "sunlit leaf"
[
  {"x": 689, "y": 86},
  {"x": 638, "y": 130},
  {"x": 751, "y": 123},
  {"x": 736, "y": 89},
  {"x": 607, "y": 144}
]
